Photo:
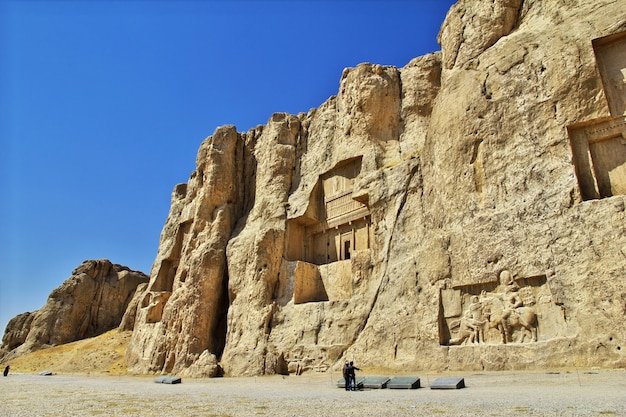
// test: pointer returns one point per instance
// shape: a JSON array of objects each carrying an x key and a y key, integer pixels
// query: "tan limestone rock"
[
  {"x": 253, "y": 279},
  {"x": 16, "y": 332},
  {"x": 182, "y": 312},
  {"x": 471, "y": 27},
  {"x": 90, "y": 302},
  {"x": 463, "y": 212},
  {"x": 128, "y": 319}
]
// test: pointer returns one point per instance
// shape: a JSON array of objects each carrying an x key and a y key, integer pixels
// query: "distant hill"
[{"x": 100, "y": 354}]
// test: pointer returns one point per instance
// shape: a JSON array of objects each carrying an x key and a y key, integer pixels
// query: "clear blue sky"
[{"x": 103, "y": 105}]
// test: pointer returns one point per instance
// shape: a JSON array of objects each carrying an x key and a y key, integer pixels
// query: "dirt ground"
[
  {"x": 578, "y": 393},
  {"x": 89, "y": 379}
]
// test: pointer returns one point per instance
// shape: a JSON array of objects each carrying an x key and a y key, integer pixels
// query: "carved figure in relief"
[
  {"x": 336, "y": 185},
  {"x": 524, "y": 319},
  {"x": 468, "y": 329},
  {"x": 512, "y": 301},
  {"x": 618, "y": 82},
  {"x": 509, "y": 309},
  {"x": 476, "y": 310},
  {"x": 508, "y": 313}
]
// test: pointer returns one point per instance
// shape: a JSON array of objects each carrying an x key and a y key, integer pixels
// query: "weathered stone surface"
[
  {"x": 471, "y": 27},
  {"x": 182, "y": 312},
  {"x": 16, "y": 331},
  {"x": 376, "y": 382},
  {"x": 463, "y": 212},
  {"x": 90, "y": 302},
  {"x": 128, "y": 319},
  {"x": 206, "y": 366}
]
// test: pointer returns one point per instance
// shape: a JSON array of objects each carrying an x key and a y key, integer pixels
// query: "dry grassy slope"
[{"x": 100, "y": 354}]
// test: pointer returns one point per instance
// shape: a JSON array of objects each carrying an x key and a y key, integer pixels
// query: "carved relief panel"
[
  {"x": 337, "y": 185},
  {"x": 505, "y": 311},
  {"x": 341, "y": 225}
]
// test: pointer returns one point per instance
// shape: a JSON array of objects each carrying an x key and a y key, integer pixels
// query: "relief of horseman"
[{"x": 512, "y": 314}]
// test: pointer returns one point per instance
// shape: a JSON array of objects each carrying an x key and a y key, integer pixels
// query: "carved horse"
[{"x": 523, "y": 319}]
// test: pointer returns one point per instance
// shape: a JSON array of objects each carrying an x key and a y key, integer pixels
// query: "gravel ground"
[{"x": 573, "y": 393}]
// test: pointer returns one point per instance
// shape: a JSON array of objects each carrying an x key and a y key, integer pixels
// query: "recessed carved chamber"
[
  {"x": 599, "y": 155},
  {"x": 320, "y": 243},
  {"x": 610, "y": 54},
  {"x": 599, "y": 146}
]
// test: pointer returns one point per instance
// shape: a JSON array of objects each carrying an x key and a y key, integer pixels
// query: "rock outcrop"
[
  {"x": 90, "y": 302},
  {"x": 466, "y": 211}
]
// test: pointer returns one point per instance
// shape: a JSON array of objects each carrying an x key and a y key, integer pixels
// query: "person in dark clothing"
[
  {"x": 6, "y": 370},
  {"x": 352, "y": 376},
  {"x": 346, "y": 375}
]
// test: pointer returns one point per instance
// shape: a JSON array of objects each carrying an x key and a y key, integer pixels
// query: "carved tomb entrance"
[
  {"x": 599, "y": 146},
  {"x": 333, "y": 229}
]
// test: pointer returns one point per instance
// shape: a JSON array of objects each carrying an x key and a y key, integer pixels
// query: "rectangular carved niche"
[
  {"x": 304, "y": 282},
  {"x": 335, "y": 224},
  {"x": 610, "y": 54},
  {"x": 339, "y": 243},
  {"x": 599, "y": 156},
  {"x": 337, "y": 185},
  {"x": 598, "y": 146},
  {"x": 320, "y": 244}
]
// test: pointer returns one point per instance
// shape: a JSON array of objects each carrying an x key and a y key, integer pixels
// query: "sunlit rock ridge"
[
  {"x": 90, "y": 302},
  {"x": 464, "y": 212}
]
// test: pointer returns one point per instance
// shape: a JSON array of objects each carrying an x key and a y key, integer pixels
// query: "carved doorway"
[{"x": 346, "y": 245}]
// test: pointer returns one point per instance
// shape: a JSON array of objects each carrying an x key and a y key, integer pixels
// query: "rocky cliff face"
[
  {"x": 463, "y": 212},
  {"x": 90, "y": 302}
]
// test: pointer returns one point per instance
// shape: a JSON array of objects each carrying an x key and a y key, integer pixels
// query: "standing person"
[
  {"x": 346, "y": 375},
  {"x": 6, "y": 370},
  {"x": 351, "y": 369}
]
